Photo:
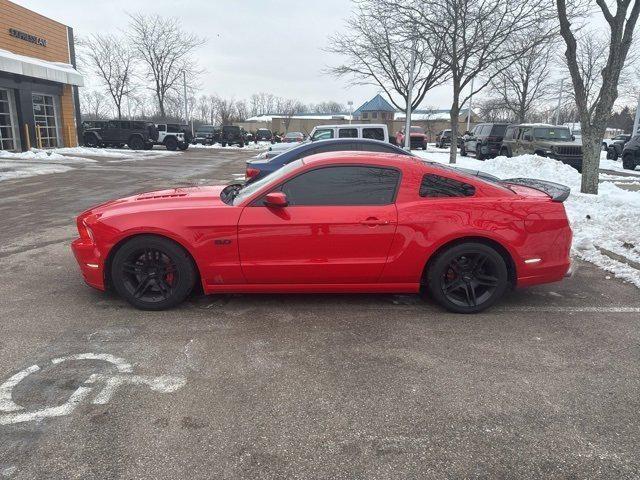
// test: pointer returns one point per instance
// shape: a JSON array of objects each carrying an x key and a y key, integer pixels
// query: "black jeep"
[
  {"x": 232, "y": 135},
  {"x": 118, "y": 133},
  {"x": 207, "y": 135}
]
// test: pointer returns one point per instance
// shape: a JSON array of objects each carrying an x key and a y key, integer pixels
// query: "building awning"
[{"x": 36, "y": 68}]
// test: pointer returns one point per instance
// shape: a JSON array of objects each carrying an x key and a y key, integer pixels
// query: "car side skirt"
[{"x": 314, "y": 288}]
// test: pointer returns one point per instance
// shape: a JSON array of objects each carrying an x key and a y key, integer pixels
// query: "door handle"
[{"x": 372, "y": 222}]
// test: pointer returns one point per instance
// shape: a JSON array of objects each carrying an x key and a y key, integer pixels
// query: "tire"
[
  {"x": 479, "y": 155},
  {"x": 224, "y": 144},
  {"x": 91, "y": 140},
  {"x": 463, "y": 151},
  {"x": 605, "y": 147},
  {"x": 424, "y": 146},
  {"x": 628, "y": 163},
  {"x": 171, "y": 143},
  {"x": 467, "y": 278},
  {"x": 505, "y": 152},
  {"x": 241, "y": 145},
  {"x": 183, "y": 146},
  {"x": 136, "y": 143},
  {"x": 148, "y": 146},
  {"x": 152, "y": 273},
  {"x": 612, "y": 153}
]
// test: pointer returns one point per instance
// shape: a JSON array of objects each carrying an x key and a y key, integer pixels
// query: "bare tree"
[
  {"x": 330, "y": 107},
  {"x": 167, "y": 52},
  {"x": 475, "y": 37},
  {"x": 111, "y": 60},
  {"x": 520, "y": 87},
  {"x": 93, "y": 105},
  {"x": 379, "y": 53},
  {"x": 595, "y": 112},
  {"x": 288, "y": 107},
  {"x": 262, "y": 103}
]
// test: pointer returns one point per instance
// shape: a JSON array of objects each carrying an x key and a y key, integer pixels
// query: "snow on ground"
[
  {"x": 609, "y": 220},
  {"x": 10, "y": 170},
  {"x": 616, "y": 165},
  {"x": 248, "y": 146}
]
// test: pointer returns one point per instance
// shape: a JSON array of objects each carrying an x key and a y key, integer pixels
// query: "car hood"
[{"x": 170, "y": 199}]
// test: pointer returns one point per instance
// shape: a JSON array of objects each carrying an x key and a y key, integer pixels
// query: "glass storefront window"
[
  {"x": 8, "y": 139},
  {"x": 44, "y": 113}
]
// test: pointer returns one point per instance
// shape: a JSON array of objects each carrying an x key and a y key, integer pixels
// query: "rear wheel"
[
  {"x": 504, "y": 152},
  {"x": 91, "y": 140},
  {"x": 152, "y": 273},
  {"x": 463, "y": 151},
  {"x": 468, "y": 278},
  {"x": 171, "y": 143},
  {"x": 627, "y": 162},
  {"x": 612, "y": 153},
  {"x": 136, "y": 143}
]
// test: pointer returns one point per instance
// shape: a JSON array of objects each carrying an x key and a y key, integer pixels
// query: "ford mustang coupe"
[{"x": 335, "y": 222}]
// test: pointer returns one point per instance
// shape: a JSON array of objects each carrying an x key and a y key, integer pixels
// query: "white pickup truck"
[{"x": 172, "y": 136}]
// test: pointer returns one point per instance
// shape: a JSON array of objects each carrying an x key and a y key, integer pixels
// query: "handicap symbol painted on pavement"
[{"x": 11, "y": 413}]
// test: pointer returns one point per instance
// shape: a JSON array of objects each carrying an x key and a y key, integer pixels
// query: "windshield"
[
  {"x": 206, "y": 128},
  {"x": 417, "y": 130},
  {"x": 552, "y": 133},
  {"x": 249, "y": 190}
]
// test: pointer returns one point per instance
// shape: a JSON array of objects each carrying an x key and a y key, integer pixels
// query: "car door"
[{"x": 337, "y": 228}]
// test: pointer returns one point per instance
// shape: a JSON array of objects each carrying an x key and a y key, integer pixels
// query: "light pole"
[
  {"x": 186, "y": 105},
  {"x": 470, "y": 106},
  {"x": 637, "y": 120},
  {"x": 407, "y": 121},
  {"x": 559, "y": 101}
]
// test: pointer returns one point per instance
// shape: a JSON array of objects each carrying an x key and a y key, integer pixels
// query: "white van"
[{"x": 374, "y": 131}]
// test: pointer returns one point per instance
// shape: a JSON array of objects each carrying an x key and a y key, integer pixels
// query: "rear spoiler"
[{"x": 557, "y": 192}]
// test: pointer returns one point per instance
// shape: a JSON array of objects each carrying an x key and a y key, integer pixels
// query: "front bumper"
[{"x": 90, "y": 261}]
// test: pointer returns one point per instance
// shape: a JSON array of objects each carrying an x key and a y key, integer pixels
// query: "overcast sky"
[{"x": 273, "y": 46}]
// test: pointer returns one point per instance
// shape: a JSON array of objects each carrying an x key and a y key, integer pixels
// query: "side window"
[
  {"x": 343, "y": 185},
  {"x": 322, "y": 134},
  {"x": 381, "y": 147},
  {"x": 162, "y": 128},
  {"x": 373, "y": 133},
  {"x": 434, "y": 186},
  {"x": 347, "y": 133},
  {"x": 509, "y": 133}
]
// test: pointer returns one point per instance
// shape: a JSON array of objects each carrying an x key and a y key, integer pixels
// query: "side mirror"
[{"x": 276, "y": 199}]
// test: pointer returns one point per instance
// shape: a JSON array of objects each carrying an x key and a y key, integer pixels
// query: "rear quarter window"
[
  {"x": 373, "y": 133},
  {"x": 498, "y": 130},
  {"x": 438, "y": 186}
]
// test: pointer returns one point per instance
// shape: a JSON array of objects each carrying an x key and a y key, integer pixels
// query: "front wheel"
[
  {"x": 152, "y": 273},
  {"x": 91, "y": 140},
  {"x": 612, "y": 153},
  {"x": 468, "y": 278},
  {"x": 463, "y": 151},
  {"x": 136, "y": 143},
  {"x": 171, "y": 144}
]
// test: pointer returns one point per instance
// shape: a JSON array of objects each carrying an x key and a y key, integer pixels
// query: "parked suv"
[
  {"x": 553, "y": 141},
  {"x": 117, "y": 133},
  {"x": 631, "y": 154},
  {"x": 371, "y": 131},
  {"x": 443, "y": 138},
  {"x": 616, "y": 146},
  {"x": 484, "y": 140},
  {"x": 173, "y": 136},
  {"x": 207, "y": 135},
  {"x": 232, "y": 135},
  {"x": 263, "y": 134}
]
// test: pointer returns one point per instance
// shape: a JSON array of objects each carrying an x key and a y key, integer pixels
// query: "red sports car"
[{"x": 334, "y": 222}]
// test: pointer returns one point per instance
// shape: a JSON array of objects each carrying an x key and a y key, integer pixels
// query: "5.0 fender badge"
[{"x": 222, "y": 241}]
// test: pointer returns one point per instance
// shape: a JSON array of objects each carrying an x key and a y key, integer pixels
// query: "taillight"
[{"x": 252, "y": 172}]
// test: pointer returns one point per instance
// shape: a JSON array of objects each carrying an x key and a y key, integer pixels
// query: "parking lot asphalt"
[{"x": 546, "y": 384}]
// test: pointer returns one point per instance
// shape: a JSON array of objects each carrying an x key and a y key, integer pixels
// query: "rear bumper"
[
  {"x": 544, "y": 273},
  {"x": 90, "y": 261}
]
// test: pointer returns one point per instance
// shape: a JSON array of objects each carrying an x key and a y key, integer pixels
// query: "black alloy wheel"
[
  {"x": 171, "y": 143},
  {"x": 91, "y": 140},
  {"x": 136, "y": 143},
  {"x": 468, "y": 278},
  {"x": 152, "y": 273}
]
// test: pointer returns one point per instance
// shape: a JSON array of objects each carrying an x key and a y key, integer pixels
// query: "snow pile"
[
  {"x": 609, "y": 221},
  {"x": 12, "y": 170}
]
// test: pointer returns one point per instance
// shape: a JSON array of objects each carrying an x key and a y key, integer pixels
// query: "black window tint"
[
  {"x": 439, "y": 186},
  {"x": 380, "y": 147},
  {"x": 498, "y": 130},
  {"x": 347, "y": 133},
  {"x": 373, "y": 133},
  {"x": 335, "y": 147},
  {"x": 343, "y": 185}
]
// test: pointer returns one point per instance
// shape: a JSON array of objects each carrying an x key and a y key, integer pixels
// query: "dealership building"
[{"x": 39, "y": 106}]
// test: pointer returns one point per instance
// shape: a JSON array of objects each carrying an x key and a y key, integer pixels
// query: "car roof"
[{"x": 382, "y": 158}]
